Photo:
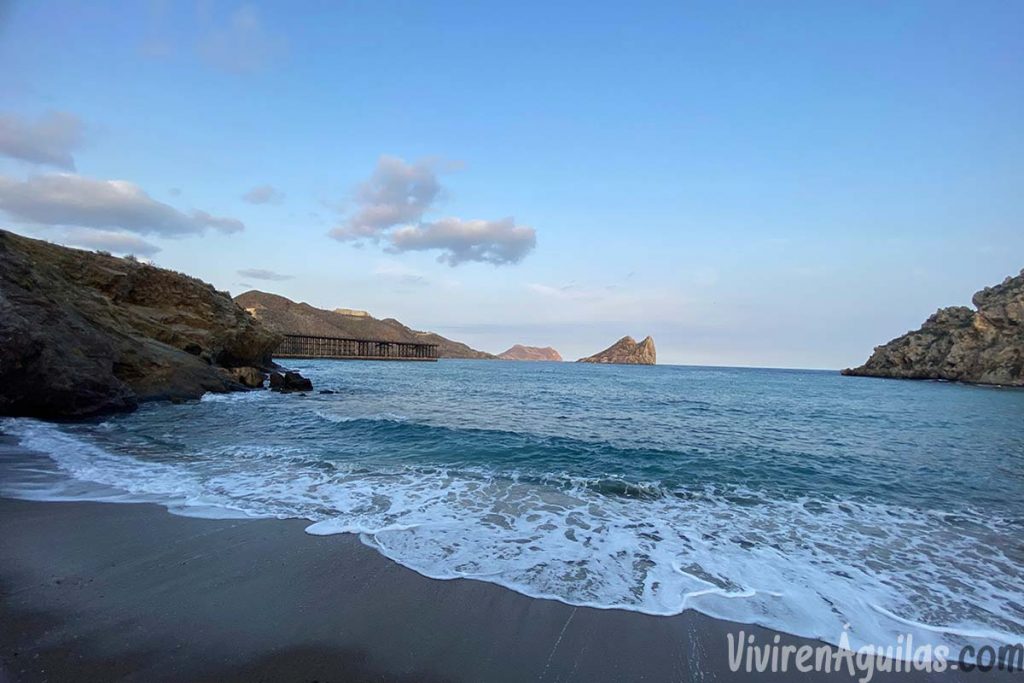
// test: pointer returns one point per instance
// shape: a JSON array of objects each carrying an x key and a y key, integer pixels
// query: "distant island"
[
  {"x": 626, "y": 351},
  {"x": 520, "y": 352},
  {"x": 985, "y": 346},
  {"x": 285, "y": 316}
]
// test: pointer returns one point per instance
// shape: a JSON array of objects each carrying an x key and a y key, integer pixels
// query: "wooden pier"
[{"x": 305, "y": 346}]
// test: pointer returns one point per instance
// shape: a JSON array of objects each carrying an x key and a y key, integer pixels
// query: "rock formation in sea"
[
  {"x": 983, "y": 346},
  {"x": 84, "y": 333},
  {"x": 520, "y": 352},
  {"x": 626, "y": 351},
  {"x": 290, "y": 382},
  {"x": 288, "y": 317}
]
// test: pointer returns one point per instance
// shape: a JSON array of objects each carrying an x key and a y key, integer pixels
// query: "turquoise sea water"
[{"x": 799, "y": 500}]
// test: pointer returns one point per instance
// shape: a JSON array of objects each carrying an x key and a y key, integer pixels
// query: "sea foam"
[{"x": 580, "y": 520}]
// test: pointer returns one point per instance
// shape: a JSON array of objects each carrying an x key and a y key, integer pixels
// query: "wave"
[{"x": 806, "y": 565}]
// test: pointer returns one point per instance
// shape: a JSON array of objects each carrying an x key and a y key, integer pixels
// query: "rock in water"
[
  {"x": 289, "y": 382},
  {"x": 520, "y": 352},
  {"x": 247, "y": 376},
  {"x": 626, "y": 351},
  {"x": 985, "y": 346},
  {"x": 83, "y": 333}
]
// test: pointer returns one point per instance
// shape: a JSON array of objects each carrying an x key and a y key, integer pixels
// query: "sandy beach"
[{"x": 98, "y": 591}]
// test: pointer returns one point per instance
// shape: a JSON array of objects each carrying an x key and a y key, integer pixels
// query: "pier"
[{"x": 337, "y": 348}]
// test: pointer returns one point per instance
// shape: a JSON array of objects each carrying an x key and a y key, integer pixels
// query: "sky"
[{"x": 781, "y": 184}]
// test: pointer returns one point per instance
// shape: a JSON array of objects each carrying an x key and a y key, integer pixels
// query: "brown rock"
[
  {"x": 83, "y": 333},
  {"x": 626, "y": 351},
  {"x": 247, "y": 376},
  {"x": 287, "y": 317},
  {"x": 985, "y": 346},
  {"x": 289, "y": 382},
  {"x": 520, "y": 352}
]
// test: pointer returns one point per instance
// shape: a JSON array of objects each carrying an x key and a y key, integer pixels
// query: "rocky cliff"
[
  {"x": 520, "y": 352},
  {"x": 984, "y": 346},
  {"x": 288, "y": 317},
  {"x": 626, "y": 351},
  {"x": 83, "y": 333}
]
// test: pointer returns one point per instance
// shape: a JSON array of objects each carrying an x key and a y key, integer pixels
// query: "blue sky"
[{"x": 775, "y": 184}]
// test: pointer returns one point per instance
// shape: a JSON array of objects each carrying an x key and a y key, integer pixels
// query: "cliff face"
[
  {"x": 626, "y": 351},
  {"x": 287, "y": 317},
  {"x": 520, "y": 352},
  {"x": 985, "y": 346},
  {"x": 83, "y": 333}
]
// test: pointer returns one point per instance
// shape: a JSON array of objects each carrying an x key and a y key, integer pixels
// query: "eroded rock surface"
[
  {"x": 83, "y": 333},
  {"x": 626, "y": 351},
  {"x": 984, "y": 346}
]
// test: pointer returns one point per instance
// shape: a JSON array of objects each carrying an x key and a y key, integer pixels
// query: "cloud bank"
[
  {"x": 48, "y": 140},
  {"x": 390, "y": 206},
  {"x": 67, "y": 199},
  {"x": 498, "y": 242}
]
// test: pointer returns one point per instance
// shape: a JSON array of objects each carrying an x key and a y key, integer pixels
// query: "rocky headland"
[
  {"x": 283, "y": 315},
  {"x": 626, "y": 351},
  {"x": 520, "y": 352},
  {"x": 84, "y": 333},
  {"x": 983, "y": 346}
]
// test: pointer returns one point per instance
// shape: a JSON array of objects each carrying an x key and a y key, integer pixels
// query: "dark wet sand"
[{"x": 97, "y": 592}]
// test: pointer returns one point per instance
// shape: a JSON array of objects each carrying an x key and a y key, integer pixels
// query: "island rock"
[
  {"x": 520, "y": 352},
  {"x": 626, "y": 351}
]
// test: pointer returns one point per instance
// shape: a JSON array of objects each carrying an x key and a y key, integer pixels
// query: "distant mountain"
[
  {"x": 287, "y": 317},
  {"x": 985, "y": 346},
  {"x": 627, "y": 352},
  {"x": 520, "y": 352}
]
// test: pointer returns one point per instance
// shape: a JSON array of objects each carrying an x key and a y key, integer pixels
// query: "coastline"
[
  {"x": 104, "y": 591},
  {"x": 129, "y": 591}
]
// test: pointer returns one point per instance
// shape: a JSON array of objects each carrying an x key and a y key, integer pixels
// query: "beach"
[
  {"x": 100, "y": 591},
  {"x": 131, "y": 549}
]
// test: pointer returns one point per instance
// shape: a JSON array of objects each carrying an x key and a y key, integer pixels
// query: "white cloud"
[
  {"x": 262, "y": 274},
  {"x": 226, "y": 225},
  {"x": 397, "y": 193},
  {"x": 391, "y": 205},
  {"x": 72, "y": 200},
  {"x": 105, "y": 240},
  {"x": 263, "y": 194},
  {"x": 49, "y": 140},
  {"x": 497, "y": 242}
]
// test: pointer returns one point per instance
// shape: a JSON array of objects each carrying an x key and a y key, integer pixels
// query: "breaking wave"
[{"x": 745, "y": 531}]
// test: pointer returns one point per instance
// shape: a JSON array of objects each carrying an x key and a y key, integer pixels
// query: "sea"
[{"x": 799, "y": 500}]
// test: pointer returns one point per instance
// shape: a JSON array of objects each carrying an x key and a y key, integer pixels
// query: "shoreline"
[
  {"x": 129, "y": 591},
  {"x": 95, "y": 591}
]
